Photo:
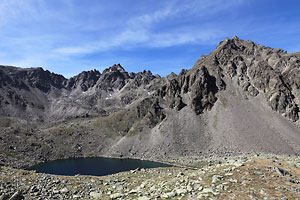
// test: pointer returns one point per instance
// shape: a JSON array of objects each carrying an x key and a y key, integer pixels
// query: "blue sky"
[{"x": 69, "y": 36}]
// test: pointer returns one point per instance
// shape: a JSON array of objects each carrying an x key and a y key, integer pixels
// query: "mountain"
[{"x": 242, "y": 97}]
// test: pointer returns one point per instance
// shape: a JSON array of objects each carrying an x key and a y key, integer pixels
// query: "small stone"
[
  {"x": 133, "y": 191},
  {"x": 4, "y": 196},
  {"x": 168, "y": 195},
  {"x": 209, "y": 190},
  {"x": 220, "y": 187},
  {"x": 116, "y": 195},
  {"x": 263, "y": 192},
  {"x": 96, "y": 195},
  {"x": 281, "y": 171},
  {"x": 143, "y": 198},
  {"x": 180, "y": 174},
  {"x": 238, "y": 163},
  {"x": 181, "y": 191},
  {"x": 260, "y": 173},
  {"x": 232, "y": 180},
  {"x": 189, "y": 188},
  {"x": 17, "y": 196},
  {"x": 292, "y": 180},
  {"x": 55, "y": 191},
  {"x": 216, "y": 178},
  {"x": 64, "y": 190}
]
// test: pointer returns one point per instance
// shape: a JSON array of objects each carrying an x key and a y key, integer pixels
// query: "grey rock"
[
  {"x": 282, "y": 171},
  {"x": 143, "y": 198},
  {"x": 116, "y": 195},
  {"x": 216, "y": 178},
  {"x": 4, "y": 197},
  {"x": 64, "y": 190},
  {"x": 96, "y": 195},
  {"x": 17, "y": 196}
]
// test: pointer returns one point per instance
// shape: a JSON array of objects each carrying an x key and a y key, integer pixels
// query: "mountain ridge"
[{"x": 242, "y": 97}]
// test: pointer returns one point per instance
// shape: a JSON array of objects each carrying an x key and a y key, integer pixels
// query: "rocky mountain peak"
[
  {"x": 114, "y": 68},
  {"x": 23, "y": 78},
  {"x": 260, "y": 70},
  {"x": 112, "y": 78},
  {"x": 85, "y": 80}
]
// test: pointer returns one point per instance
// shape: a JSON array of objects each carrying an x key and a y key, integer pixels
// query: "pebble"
[
  {"x": 64, "y": 190},
  {"x": 143, "y": 198},
  {"x": 116, "y": 195},
  {"x": 96, "y": 195}
]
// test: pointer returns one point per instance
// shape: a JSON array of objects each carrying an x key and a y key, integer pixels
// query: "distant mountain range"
[{"x": 243, "y": 97}]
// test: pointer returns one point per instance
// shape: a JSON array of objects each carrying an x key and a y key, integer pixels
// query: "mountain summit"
[{"x": 242, "y": 97}]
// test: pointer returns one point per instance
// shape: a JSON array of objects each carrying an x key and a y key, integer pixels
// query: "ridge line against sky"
[{"x": 69, "y": 36}]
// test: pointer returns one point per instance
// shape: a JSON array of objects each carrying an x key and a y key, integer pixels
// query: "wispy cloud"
[
  {"x": 140, "y": 30},
  {"x": 75, "y": 50}
]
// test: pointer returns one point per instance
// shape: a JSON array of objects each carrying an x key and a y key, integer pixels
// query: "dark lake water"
[{"x": 93, "y": 166}]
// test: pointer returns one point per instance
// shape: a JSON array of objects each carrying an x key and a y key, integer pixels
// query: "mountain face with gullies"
[{"x": 242, "y": 97}]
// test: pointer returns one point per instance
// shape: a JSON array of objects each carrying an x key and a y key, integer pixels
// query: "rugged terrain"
[
  {"x": 243, "y": 177},
  {"x": 243, "y": 97}
]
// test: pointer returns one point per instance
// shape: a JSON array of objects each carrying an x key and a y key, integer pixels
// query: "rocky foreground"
[{"x": 242, "y": 177}]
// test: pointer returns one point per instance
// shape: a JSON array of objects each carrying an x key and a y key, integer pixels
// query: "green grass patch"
[
  {"x": 118, "y": 124},
  {"x": 61, "y": 130},
  {"x": 9, "y": 154},
  {"x": 5, "y": 122}
]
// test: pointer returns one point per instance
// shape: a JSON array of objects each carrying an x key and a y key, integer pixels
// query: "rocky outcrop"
[
  {"x": 202, "y": 90},
  {"x": 198, "y": 87}
]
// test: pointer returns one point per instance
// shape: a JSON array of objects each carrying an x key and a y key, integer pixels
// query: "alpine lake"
[{"x": 93, "y": 166}]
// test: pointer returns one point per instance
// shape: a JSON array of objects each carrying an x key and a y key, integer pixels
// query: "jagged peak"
[
  {"x": 17, "y": 69},
  {"x": 237, "y": 43},
  {"x": 145, "y": 72},
  {"x": 235, "y": 38},
  {"x": 114, "y": 68},
  {"x": 31, "y": 72},
  {"x": 229, "y": 42},
  {"x": 93, "y": 72},
  {"x": 172, "y": 75}
]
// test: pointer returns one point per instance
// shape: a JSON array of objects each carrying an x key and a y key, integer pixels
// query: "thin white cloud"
[
  {"x": 196, "y": 37},
  {"x": 145, "y": 20},
  {"x": 139, "y": 30},
  {"x": 75, "y": 50}
]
